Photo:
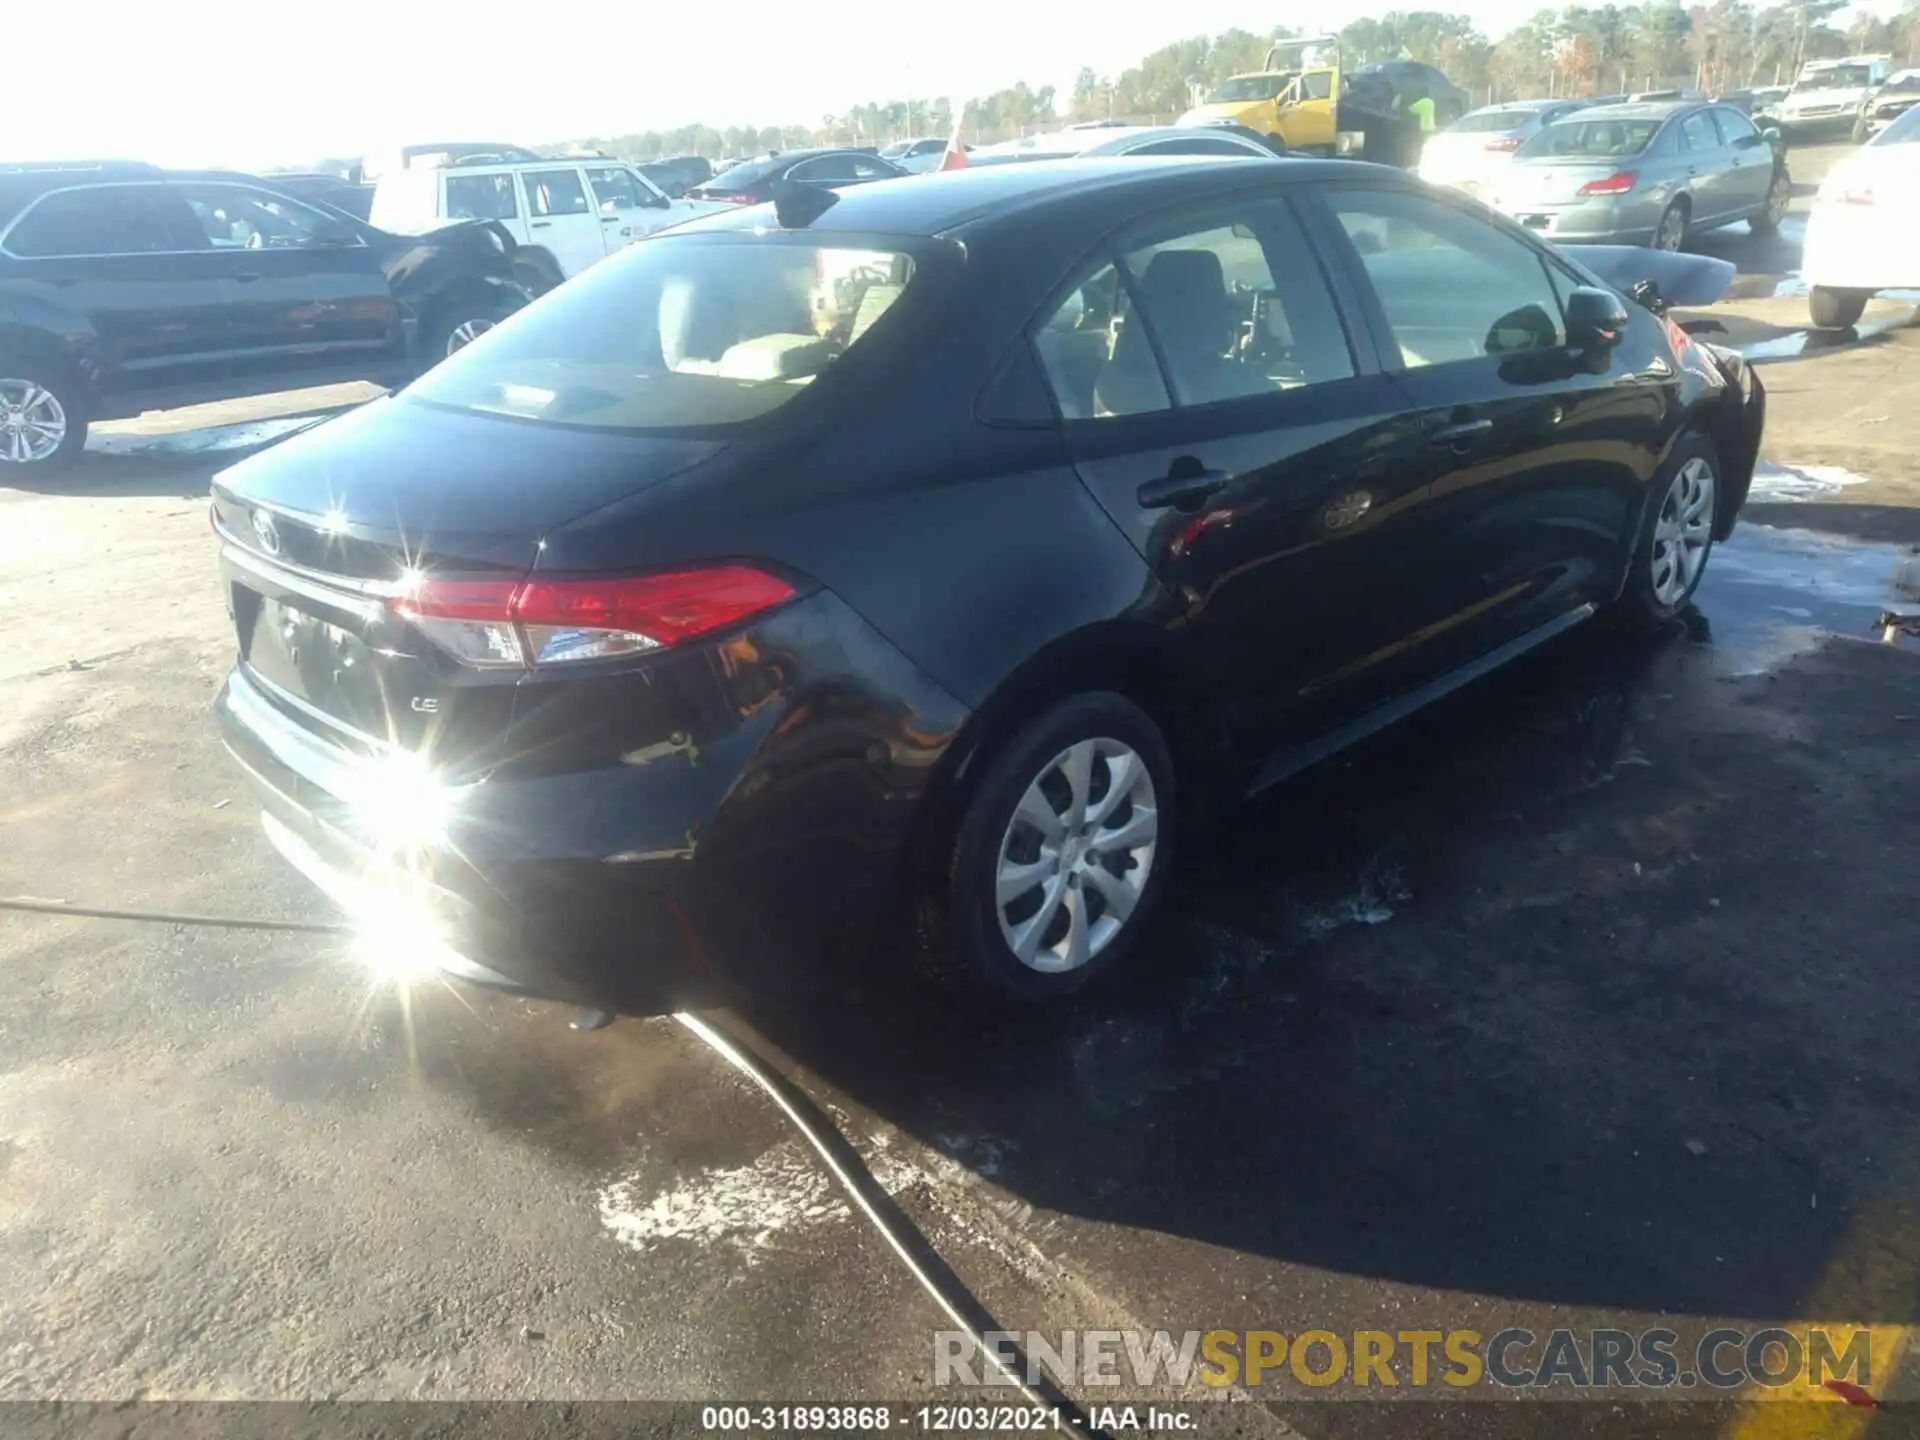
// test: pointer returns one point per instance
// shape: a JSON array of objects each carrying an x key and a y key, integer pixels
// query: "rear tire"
[
  {"x": 454, "y": 330},
  {"x": 43, "y": 418},
  {"x": 1676, "y": 536},
  {"x": 1836, "y": 309},
  {"x": 1671, "y": 233},
  {"x": 1032, "y": 907}
]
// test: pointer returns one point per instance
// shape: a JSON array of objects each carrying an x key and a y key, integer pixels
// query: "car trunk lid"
[
  {"x": 324, "y": 534},
  {"x": 1557, "y": 181}
]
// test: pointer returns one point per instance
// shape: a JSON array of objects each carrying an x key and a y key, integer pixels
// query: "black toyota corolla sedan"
[{"x": 922, "y": 550}]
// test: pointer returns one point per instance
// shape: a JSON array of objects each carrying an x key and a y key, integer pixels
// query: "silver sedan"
[{"x": 1644, "y": 174}]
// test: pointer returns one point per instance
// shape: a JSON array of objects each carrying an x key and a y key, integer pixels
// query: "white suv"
[{"x": 565, "y": 214}]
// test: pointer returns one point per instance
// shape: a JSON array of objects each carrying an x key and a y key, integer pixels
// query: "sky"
[{"x": 240, "y": 83}]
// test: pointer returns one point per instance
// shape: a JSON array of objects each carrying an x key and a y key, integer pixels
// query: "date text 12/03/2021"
[{"x": 962, "y": 1419}]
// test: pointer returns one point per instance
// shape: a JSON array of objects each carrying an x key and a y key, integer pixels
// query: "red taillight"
[
  {"x": 1857, "y": 195},
  {"x": 544, "y": 622},
  {"x": 1613, "y": 185},
  {"x": 1505, "y": 145}
]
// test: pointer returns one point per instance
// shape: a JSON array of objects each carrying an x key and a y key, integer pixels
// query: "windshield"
[
  {"x": 1598, "y": 139},
  {"x": 685, "y": 331},
  {"x": 1840, "y": 77},
  {"x": 1248, "y": 87},
  {"x": 1490, "y": 122},
  {"x": 1904, "y": 131}
]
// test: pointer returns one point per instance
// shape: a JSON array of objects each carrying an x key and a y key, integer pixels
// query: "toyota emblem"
[{"x": 266, "y": 532}]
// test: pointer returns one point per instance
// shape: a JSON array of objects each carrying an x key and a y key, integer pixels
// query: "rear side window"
[
  {"x": 100, "y": 220},
  {"x": 1231, "y": 307},
  {"x": 481, "y": 197},
  {"x": 1452, "y": 286},
  {"x": 555, "y": 192},
  {"x": 825, "y": 168},
  {"x": 1697, "y": 132},
  {"x": 690, "y": 331}
]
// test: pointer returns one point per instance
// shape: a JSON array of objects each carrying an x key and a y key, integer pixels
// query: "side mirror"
[
  {"x": 1772, "y": 134},
  {"x": 1596, "y": 319},
  {"x": 1747, "y": 142}
]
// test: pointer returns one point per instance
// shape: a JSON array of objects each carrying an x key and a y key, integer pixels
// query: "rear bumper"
[
  {"x": 769, "y": 833},
  {"x": 1593, "y": 223}
]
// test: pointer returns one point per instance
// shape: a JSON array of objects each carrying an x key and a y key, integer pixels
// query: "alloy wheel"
[
  {"x": 33, "y": 422},
  {"x": 1683, "y": 532},
  {"x": 1076, "y": 855},
  {"x": 466, "y": 333}
]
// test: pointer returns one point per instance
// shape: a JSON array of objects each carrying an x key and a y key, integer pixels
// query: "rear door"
[
  {"x": 124, "y": 261},
  {"x": 1234, "y": 427},
  {"x": 309, "y": 294},
  {"x": 1537, "y": 456},
  {"x": 561, "y": 218}
]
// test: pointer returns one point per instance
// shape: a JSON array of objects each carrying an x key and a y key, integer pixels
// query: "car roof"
[{"x": 981, "y": 198}]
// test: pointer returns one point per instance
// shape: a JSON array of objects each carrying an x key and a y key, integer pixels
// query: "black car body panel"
[
  {"x": 957, "y": 554},
  {"x": 185, "y": 323},
  {"x": 753, "y": 182}
]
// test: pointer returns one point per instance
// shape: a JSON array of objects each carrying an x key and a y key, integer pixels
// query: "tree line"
[{"x": 1576, "y": 50}]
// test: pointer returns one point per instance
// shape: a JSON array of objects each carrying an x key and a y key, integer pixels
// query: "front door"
[
  {"x": 1308, "y": 119},
  {"x": 309, "y": 295},
  {"x": 1536, "y": 456},
  {"x": 1749, "y": 157},
  {"x": 1221, "y": 412},
  {"x": 561, "y": 219},
  {"x": 629, "y": 207}
]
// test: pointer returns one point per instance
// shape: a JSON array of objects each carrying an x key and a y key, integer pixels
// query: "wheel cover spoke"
[
  {"x": 1683, "y": 532},
  {"x": 1076, "y": 855},
  {"x": 33, "y": 423}
]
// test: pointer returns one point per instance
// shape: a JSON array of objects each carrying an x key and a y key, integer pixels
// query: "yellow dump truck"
[{"x": 1295, "y": 99}]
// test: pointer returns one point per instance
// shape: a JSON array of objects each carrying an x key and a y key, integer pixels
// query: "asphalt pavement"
[{"x": 1587, "y": 999}]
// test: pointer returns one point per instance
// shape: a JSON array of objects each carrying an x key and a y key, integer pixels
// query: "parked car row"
[
  {"x": 125, "y": 288},
  {"x": 1639, "y": 173}
]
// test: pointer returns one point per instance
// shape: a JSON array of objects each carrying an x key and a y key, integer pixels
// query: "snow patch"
[
  {"x": 1786, "y": 484},
  {"x": 743, "y": 1207}
]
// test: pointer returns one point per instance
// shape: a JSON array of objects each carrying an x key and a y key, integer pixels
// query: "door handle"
[
  {"x": 1184, "y": 487},
  {"x": 247, "y": 277},
  {"x": 538, "y": 224},
  {"x": 1462, "y": 434}
]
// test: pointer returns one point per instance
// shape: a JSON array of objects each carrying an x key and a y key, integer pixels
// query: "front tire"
[
  {"x": 1836, "y": 309},
  {"x": 1676, "y": 537},
  {"x": 1060, "y": 855},
  {"x": 452, "y": 332},
  {"x": 43, "y": 418}
]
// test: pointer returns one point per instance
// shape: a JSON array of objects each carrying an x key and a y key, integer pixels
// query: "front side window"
[
  {"x": 235, "y": 218},
  {"x": 614, "y": 189},
  {"x": 690, "y": 331},
  {"x": 1316, "y": 85},
  {"x": 1451, "y": 285},
  {"x": 555, "y": 192},
  {"x": 1734, "y": 126},
  {"x": 100, "y": 220},
  {"x": 481, "y": 197}
]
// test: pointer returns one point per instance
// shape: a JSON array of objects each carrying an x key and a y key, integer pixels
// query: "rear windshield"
[
  {"x": 747, "y": 175},
  {"x": 682, "y": 331},
  {"x": 1600, "y": 139},
  {"x": 1496, "y": 122}
]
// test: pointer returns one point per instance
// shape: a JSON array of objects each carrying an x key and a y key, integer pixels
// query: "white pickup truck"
[{"x": 565, "y": 214}]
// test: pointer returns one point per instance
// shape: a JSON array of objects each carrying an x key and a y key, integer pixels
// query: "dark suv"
[{"x": 124, "y": 288}]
